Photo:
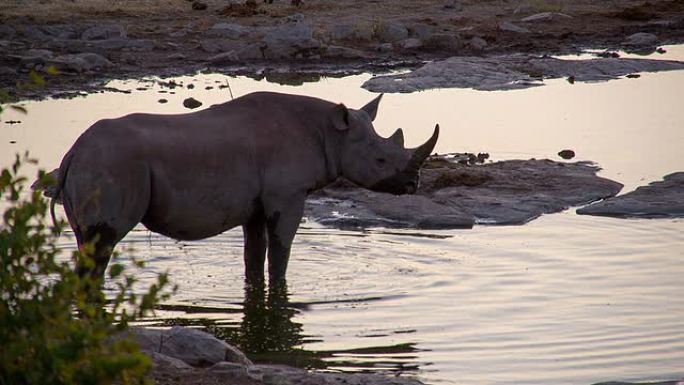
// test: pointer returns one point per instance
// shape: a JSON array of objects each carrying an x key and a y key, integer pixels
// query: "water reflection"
[{"x": 269, "y": 333}]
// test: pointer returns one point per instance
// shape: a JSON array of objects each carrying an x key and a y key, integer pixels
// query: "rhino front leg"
[
  {"x": 255, "y": 246},
  {"x": 282, "y": 222}
]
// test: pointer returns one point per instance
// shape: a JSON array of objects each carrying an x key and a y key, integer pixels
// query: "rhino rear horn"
[
  {"x": 421, "y": 153},
  {"x": 372, "y": 107},
  {"x": 398, "y": 137}
]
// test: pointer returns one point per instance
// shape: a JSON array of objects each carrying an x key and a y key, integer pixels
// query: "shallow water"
[{"x": 565, "y": 299}]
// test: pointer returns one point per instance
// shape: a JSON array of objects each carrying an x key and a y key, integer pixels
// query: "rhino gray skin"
[{"x": 251, "y": 162}]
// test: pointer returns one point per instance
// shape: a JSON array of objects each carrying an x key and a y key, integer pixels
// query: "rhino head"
[{"x": 374, "y": 162}]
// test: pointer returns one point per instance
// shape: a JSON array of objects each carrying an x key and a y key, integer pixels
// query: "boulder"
[
  {"x": 7, "y": 32},
  {"x": 33, "y": 57},
  {"x": 224, "y": 58},
  {"x": 335, "y": 51},
  {"x": 80, "y": 62},
  {"x": 511, "y": 72},
  {"x": 251, "y": 51},
  {"x": 103, "y": 32},
  {"x": 663, "y": 199},
  {"x": 545, "y": 16},
  {"x": 390, "y": 32},
  {"x": 421, "y": 31},
  {"x": 229, "y": 30},
  {"x": 444, "y": 42},
  {"x": 194, "y": 347},
  {"x": 507, "y": 26},
  {"x": 453, "y": 195},
  {"x": 410, "y": 44},
  {"x": 477, "y": 43},
  {"x": 641, "y": 41},
  {"x": 289, "y": 41},
  {"x": 384, "y": 47}
]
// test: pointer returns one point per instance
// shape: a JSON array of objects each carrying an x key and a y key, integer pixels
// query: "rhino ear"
[
  {"x": 340, "y": 117},
  {"x": 372, "y": 107},
  {"x": 398, "y": 137}
]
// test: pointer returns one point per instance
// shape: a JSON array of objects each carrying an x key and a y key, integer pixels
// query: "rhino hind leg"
[
  {"x": 255, "y": 246},
  {"x": 98, "y": 243}
]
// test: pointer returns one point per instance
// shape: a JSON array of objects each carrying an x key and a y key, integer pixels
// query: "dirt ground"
[{"x": 171, "y": 38}]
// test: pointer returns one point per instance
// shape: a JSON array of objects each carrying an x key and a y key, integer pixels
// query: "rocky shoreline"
[
  {"x": 189, "y": 356},
  {"x": 88, "y": 46}
]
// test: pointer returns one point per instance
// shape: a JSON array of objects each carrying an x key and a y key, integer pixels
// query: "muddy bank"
[
  {"x": 89, "y": 42},
  {"x": 455, "y": 195},
  {"x": 188, "y": 356},
  {"x": 662, "y": 199}
]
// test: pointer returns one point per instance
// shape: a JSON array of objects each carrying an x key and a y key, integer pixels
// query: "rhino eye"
[{"x": 380, "y": 160}]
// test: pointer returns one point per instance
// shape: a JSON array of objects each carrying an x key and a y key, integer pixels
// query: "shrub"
[{"x": 53, "y": 327}]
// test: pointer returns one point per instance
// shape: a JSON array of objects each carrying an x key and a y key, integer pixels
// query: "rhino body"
[{"x": 250, "y": 162}]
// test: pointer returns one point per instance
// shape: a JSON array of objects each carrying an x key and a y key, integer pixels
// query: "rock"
[
  {"x": 164, "y": 362},
  {"x": 507, "y": 26},
  {"x": 33, "y": 57},
  {"x": 162, "y": 101},
  {"x": 191, "y": 103},
  {"x": 103, "y": 32},
  {"x": 251, "y": 51},
  {"x": 477, "y": 43},
  {"x": 566, "y": 154},
  {"x": 410, "y": 44},
  {"x": 511, "y": 72},
  {"x": 229, "y": 30},
  {"x": 421, "y": 31},
  {"x": 641, "y": 42},
  {"x": 335, "y": 51},
  {"x": 219, "y": 45},
  {"x": 452, "y": 195},
  {"x": 390, "y": 32},
  {"x": 229, "y": 372},
  {"x": 7, "y": 32},
  {"x": 545, "y": 16},
  {"x": 453, "y": 5},
  {"x": 80, "y": 62},
  {"x": 384, "y": 47},
  {"x": 199, "y": 6},
  {"x": 663, "y": 199},
  {"x": 223, "y": 58},
  {"x": 342, "y": 32},
  {"x": 194, "y": 347},
  {"x": 289, "y": 41},
  {"x": 294, "y": 18},
  {"x": 444, "y": 42},
  {"x": 7, "y": 71},
  {"x": 176, "y": 56}
]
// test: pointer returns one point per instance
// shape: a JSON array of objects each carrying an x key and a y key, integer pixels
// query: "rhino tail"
[{"x": 61, "y": 179}]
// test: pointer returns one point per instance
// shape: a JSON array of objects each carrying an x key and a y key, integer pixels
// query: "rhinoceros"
[{"x": 250, "y": 162}]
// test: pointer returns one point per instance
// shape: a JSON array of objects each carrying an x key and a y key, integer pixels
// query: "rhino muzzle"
[{"x": 406, "y": 181}]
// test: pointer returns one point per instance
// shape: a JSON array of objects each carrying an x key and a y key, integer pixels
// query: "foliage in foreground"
[{"x": 53, "y": 327}]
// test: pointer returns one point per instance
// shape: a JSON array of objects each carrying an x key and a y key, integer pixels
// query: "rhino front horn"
[{"x": 421, "y": 153}]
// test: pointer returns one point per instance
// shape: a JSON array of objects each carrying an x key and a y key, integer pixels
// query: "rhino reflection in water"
[{"x": 251, "y": 162}]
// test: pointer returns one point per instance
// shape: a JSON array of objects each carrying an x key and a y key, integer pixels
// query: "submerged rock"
[
  {"x": 511, "y": 72},
  {"x": 663, "y": 199},
  {"x": 453, "y": 195}
]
